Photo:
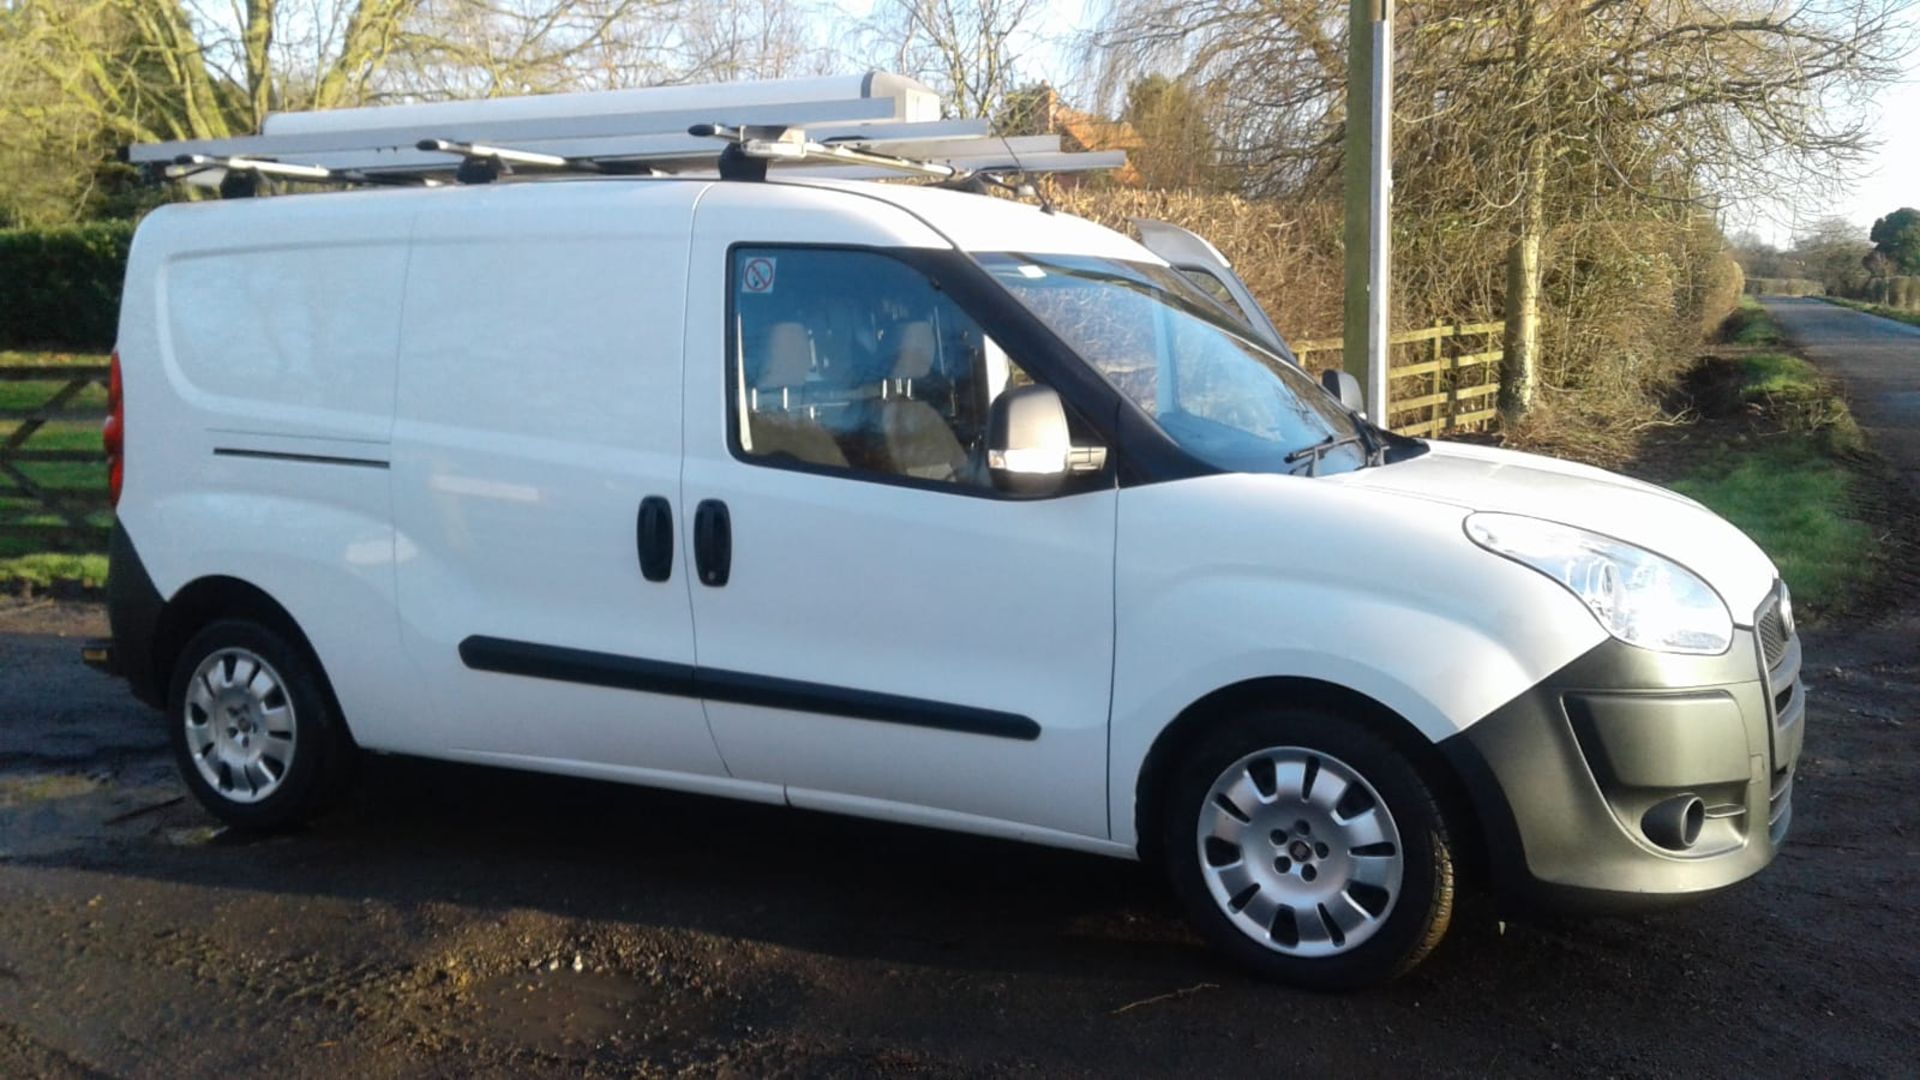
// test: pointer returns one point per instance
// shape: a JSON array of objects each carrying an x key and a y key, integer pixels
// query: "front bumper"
[{"x": 1572, "y": 779}]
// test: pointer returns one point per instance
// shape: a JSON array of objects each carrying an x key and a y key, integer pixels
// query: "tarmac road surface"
[{"x": 1878, "y": 360}]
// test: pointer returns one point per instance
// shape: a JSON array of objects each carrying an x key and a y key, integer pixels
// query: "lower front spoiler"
[{"x": 1573, "y": 781}]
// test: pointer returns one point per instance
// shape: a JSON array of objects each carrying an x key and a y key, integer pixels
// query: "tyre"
[
  {"x": 255, "y": 731},
  {"x": 1308, "y": 849}
]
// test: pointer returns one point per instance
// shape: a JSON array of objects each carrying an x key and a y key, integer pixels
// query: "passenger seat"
[{"x": 918, "y": 440}]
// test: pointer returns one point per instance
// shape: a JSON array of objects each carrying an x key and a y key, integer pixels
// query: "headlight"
[{"x": 1639, "y": 597}]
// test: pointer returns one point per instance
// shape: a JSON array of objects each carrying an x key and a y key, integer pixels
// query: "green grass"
[
  {"x": 1792, "y": 489},
  {"x": 44, "y": 570},
  {"x": 23, "y": 561},
  {"x": 16, "y": 358},
  {"x": 1911, "y": 318},
  {"x": 1750, "y": 325},
  {"x": 80, "y": 433},
  {"x": 1779, "y": 373},
  {"x": 1795, "y": 501}
]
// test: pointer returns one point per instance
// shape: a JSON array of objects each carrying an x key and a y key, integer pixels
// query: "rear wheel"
[
  {"x": 1309, "y": 849},
  {"x": 254, "y": 730}
]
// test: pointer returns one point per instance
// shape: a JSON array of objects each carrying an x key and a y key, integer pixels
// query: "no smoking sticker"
[{"x": 756, "y": 276}]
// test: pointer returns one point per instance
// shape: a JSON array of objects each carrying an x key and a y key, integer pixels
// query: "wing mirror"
[
  {"x": 1030, "y": 450},
  {"x": 1346, "y": 388}
]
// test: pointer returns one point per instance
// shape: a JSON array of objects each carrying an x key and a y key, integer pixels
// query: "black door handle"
[
  {"x": 712, "y": 542},
  {"x": 653, "y": 534}
]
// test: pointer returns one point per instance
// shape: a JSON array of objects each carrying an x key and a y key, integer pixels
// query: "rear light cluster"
[{"x": 113, "y": 433}]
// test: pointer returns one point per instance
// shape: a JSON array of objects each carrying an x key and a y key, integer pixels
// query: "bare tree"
[
  {"x": 969, "y": 50},
  {"x": 205, "y": 69},
  {"x": 1528, "y": 116}
]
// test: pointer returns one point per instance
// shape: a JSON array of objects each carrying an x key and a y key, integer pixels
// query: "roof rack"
[{"x": 859, "y": 127}]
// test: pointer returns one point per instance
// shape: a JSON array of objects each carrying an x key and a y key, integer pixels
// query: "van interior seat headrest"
[
  {"x": 788, "y": 359},
  {"x": 913, "y": 350}
]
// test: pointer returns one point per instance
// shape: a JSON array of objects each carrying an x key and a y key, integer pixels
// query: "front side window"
[
  {"x": 853, "y": 360},
  {"x": 1161, "y": 342}
]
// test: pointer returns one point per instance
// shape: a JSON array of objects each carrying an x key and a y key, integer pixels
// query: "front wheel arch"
[{"x": 1194, "y": 723}]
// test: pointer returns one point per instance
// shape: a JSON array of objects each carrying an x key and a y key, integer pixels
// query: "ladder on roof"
[{"x": 856, "y": 127}]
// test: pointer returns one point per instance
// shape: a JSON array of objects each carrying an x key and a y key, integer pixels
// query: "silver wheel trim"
[
  {"x": 1267, "y": 810},
  {"x": 240, "y": 725}
]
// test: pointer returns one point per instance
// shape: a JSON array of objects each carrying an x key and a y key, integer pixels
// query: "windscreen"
[{"x": 1160, "y": 341}]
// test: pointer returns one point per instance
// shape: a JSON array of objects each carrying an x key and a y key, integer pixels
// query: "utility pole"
[{"x": 1369, "y": 191}]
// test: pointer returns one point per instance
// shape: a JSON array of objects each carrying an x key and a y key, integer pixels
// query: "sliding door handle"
[
  {"x": 653, "y": 534},
  {"x": 712, "y": 543}
]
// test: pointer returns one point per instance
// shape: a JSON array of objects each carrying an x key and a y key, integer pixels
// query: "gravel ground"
[
  {"x": 461, "y": 921},
  {"x": 458, "y": 921}
]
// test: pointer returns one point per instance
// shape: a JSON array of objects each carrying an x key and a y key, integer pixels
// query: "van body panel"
[
  {"x": 280, "y": 317},
  {"x": 265, "y": 463},
  {"x": 1662, "y": 521},
  {"x": 970, "y": 223},
  {"x": 539, "y": 404},
  {"x": 870, "y": 587},
  {"x": 1301, "y": 578}
]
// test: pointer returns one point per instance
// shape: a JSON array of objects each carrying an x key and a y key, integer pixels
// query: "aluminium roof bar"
[
  {"x": 186, "y": 166},
  {"x": 767, "y": 144}
]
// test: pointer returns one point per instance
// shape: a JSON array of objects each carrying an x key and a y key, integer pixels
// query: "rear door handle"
[
  {"x": 712, "y": 543},
  {"x": 653, "y": 535}
]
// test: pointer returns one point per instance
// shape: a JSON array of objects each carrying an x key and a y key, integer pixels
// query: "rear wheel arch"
[
  {"x": 1196, "y": 721},
  {"x": 204, "y": 601}
]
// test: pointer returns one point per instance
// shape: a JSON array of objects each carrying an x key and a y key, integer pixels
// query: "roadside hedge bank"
[{"x": 60, "y": 287}]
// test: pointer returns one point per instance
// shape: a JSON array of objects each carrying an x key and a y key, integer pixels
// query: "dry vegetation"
[{"x": 1625, "y": 304}]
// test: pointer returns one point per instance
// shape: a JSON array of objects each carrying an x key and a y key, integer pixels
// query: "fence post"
[{"x": 1452, "y": 391}]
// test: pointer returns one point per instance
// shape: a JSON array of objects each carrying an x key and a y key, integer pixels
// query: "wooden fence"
[
  {"x": 52, "y": 514},
  {"x": 1444, "y": 379}
]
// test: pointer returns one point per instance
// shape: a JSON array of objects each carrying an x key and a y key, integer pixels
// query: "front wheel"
[
  {"x": 255, "y": 732},
  {"x": 1309, "y": 849}
]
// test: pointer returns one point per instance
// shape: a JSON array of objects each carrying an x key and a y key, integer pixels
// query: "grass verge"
[
  {"x": 1911, "y": 318},
  {"x": 27, "y": 573},
  {"x": 1794, "y": 500},
  {"x": 1751, "y": 325},
  {"x": 1784, "y": 466}
]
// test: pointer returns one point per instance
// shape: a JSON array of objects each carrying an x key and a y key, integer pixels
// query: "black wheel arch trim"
[
  {"x": 506, "y": 656},
  {"x": 134, "y": 609}
]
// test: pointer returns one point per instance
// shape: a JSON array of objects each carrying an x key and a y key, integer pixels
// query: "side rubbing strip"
[
  {"x": 740, "y": 689},
  {"x": 681, "y": 680},
  {"x": 577, "y": 666},
  {"x": 310, "y": 459}
]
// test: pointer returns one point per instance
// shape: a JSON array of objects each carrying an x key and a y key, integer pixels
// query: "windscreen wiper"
[
  {"x": 1324, "y": 447},
  {"x": 1376, "y": 446}
]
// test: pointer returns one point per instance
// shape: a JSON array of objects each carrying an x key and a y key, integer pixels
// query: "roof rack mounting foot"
[
  {"x": 238, "y": 184},
  {"x": 737, "y": 164},
  {"x": 477, "y": 171}
]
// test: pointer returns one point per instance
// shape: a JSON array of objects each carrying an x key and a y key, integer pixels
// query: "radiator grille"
[{"x": 1773, "y": 633}]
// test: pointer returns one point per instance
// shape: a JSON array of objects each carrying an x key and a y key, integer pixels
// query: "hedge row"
[
  {"x": 1767, "y": 286},
  {"x": 1899, "y": 293},
  {"x": 60, "y": 288}
]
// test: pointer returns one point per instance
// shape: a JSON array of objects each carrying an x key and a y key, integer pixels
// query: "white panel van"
[{"x": 918, "y": 505}]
